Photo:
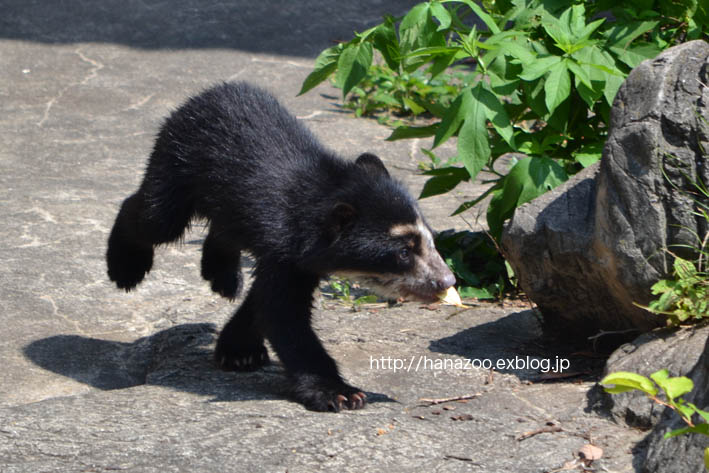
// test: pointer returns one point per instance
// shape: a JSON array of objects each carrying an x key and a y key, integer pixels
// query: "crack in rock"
[{"x": 93, "y": 73}]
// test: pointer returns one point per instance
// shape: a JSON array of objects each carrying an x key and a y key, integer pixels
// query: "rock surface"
[
  {"x": 589, "y": 250},
  {"x": 674, "y": 350},
  {"x": 684, "y": 453}
]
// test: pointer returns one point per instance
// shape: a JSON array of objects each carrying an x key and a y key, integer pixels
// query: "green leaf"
[
  {"x": 453, "y": 118},
  {"x": 538, "y": 68},
  {"x": 704, "y": 414},
  {"x": 559, "y": 119},
  {"x": 418, "y": 30},
  {"x": 413, "y": 24},
  {"x": 683, "y": 409},
  {"x": 683, "y": 268},
  {"x": 406, "y": 132},
  {"x": 673, "y": 387},
  {"x": 702, "y": 429},
  {"x": 441, "y": 14},
  {"x": 676, "y": 432},
  {"x": 495, "y": 112},
  {"x": 576, "y": 21},
  {"x": 353, "y": 65},
  {"x": 518, "y": 51},
  {"x": 387, "y": 43},
  {"x": 325, "y": 64},
  {"x": 558, "y": 30},
  {"x": 468, "y": 292},
  {"x": 625, "y": 381},
  {"x": 435, "y": 51},
  {"x": 589, "y": 29},
  {"x": 456, "y": 263},
  {"x": 660, "y": 376},
  {"x": 487, "y": 19},
  {"x": 473, "y": 146},
  {"x": 589, "y": 154},
  {"x": 597, "y": 64},
  {"x": 622, "y": 34},
  {"x": 443, "y": 180},
  {"x": 588, "y": 95},
  {"x": 613, "y": 83},
  {"x": 528, "y": 179},
  {"x": 415, "y": 108},
  {"x": 534, "y": 96},
  {"x": 579, "y": 72},
  {"x": 441, "y": 63},
  {"x": 635, "y": 55},
  {"x": 663, "y": 285},
  {"x": 557, "y": 86},
  {"x": 368, "y": 299}
]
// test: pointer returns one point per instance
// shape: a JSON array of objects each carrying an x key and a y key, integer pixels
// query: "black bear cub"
[{"x": 235, "y": 157}]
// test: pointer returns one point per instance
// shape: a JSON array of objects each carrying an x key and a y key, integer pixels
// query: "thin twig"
[
  {"x": 612, "y": 332},
  {"x": 433, "y": 402},
  {"x": 543, "y": 430}
]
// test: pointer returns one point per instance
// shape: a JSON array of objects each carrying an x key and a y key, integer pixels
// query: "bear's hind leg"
[
  {"x": 129, "y": 255},
  {"x": 152, "y": 216}
]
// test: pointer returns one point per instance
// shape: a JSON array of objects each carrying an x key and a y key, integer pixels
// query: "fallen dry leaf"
[{"x": 590, "y": 452}]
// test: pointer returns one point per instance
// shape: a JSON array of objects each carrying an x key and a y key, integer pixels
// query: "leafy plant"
[
  {"x": 465, "y": 250},
  {"x": 544, "y": 79},
  {"x": 401, "y": 95},
  {"x": 684, "y": 298},
  {"x": 673, "y": 388},
  {"x": 343, "y": 291}
]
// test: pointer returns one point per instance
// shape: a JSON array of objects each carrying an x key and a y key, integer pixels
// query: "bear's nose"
[{"x": 446, "y": 281}]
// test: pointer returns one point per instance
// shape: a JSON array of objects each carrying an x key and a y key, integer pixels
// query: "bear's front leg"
[
  {"x": 240, "y": 345},
  {"x": 284, "y": 296}
]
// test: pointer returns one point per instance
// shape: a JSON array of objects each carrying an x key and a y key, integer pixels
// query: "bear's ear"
[
  {"x": 342, "y": 216},
  {"x": 372, "y": 163}
]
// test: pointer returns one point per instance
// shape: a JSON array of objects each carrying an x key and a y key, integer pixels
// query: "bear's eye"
[{"x": 404, "y": 255}]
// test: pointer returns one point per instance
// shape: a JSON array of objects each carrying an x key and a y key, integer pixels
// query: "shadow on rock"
[
  {"x": 518, "y": 345},
  {"x": 178, "y": 358}
]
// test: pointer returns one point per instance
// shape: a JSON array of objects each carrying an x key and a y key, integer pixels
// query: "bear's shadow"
[{"x": 180, "y": 358}]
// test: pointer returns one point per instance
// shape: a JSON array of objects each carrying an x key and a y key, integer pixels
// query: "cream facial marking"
[
  {"x": 418, "y": 228},
  {"x": 404, "y": 229},
  {"x": 425, "y": 233}
]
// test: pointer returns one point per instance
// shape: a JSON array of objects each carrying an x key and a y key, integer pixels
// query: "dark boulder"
[{"x": 588, "y": 251}]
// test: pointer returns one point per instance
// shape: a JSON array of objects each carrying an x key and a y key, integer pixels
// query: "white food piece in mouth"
[{"x": 451, "y": 297}]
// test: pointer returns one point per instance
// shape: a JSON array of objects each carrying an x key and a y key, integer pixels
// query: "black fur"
[{"x": 234, "y": 156}]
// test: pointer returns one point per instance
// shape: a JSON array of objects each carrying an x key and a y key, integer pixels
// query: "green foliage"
[
  {"x": 684, "y": 298},
  {"x": 538, "y": 79},
  {"x": 402, "y": 95},
  {"x": 545, "y": 77},
  {"x": 343, "y": 291},
  {"x": 673, "y": 388},
  {"x": 527, "y": 179},
  {"x": 465, "y": 250}
]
